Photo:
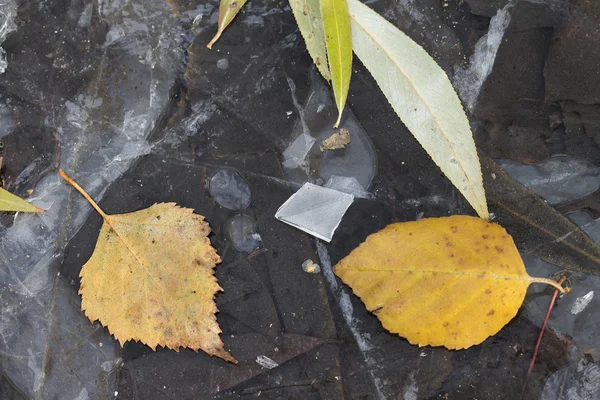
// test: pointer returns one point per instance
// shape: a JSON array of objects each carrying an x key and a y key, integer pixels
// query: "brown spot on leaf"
[
  {"x": 485, "y": 236},
  {"x": 446, "y": 324},
  {"x": 451, "y": 255},
  {"x": 490, "y": 313},
  {"x": 499, "y": 249},
  {"x": 448, "y": 244},
  {"x": 488, "y": 291},
  {"x": 454, "y": 229}
]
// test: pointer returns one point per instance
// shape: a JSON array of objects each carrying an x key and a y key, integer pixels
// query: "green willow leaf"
[
  {"x": 10, "y": 202},
  {"x": 338, "y": 37},
  {"x": 422, "y": 96},
  {"x": 228, "y": 9},
  {"x": 310, "y": 22}
]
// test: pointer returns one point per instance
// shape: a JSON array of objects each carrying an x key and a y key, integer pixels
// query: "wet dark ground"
[{"x": 125, "y": 97}]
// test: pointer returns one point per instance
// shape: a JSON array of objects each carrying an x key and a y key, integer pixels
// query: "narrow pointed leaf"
[
  {"x": 336, "y": 22},
  {"x": 228, "y": 9},
  {"x": 310, "y": 22},
  {"x": 10, "y": 202},
  {"x": 423, "y": 97}
]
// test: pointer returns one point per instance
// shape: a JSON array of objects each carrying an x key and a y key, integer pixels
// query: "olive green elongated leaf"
[
  {"x": 310, "y": 22},
  {"x": 423, "y": 97},
  {"x": 228, "y": 9},
  {"x": 336, "y": 22},
  {"x": 10, "y": 202}
]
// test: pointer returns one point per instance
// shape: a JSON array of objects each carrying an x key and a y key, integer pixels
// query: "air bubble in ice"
[
  {"x": 242, "y": 230},
  {"x": 230, "y": 190},
  {"x": 223, "y": 63}
]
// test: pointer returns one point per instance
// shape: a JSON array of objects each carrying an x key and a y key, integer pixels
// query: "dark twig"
[{"x": 539, "y": 340}]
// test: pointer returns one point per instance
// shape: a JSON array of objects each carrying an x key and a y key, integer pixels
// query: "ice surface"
[
  {"x": 49, "y": 348},
  {"x": 580, "y": 381},
  {"x": 295, "y": 155},
  {"x": 230, "y": 190},
  {"x": 558, "y": 179},
  {"x": 8, "y": 12},
  {"x": 468, "y": 82},
  {"x": 315, "y": 210},
  {"x": 266, "y": 362},
  {"x": 347, "y": 185},
  {"x": 357, "y": 160},
  {"x": 242, "y": 230}
]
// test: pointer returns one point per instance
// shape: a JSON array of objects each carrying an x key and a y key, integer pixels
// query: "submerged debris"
[
  {"x": 243, "y": 232},
  {"x": 338, "y": 140},
  {"x": 230, "y": 190}
]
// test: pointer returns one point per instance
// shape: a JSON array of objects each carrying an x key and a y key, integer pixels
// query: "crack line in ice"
[{"x": 347, "y": 309}]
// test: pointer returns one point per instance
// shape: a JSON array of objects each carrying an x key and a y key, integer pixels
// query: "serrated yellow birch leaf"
[
  {"x": 423, "y": 97},
  {"x": 310, "y": 22},
  {"x": 450, "y": 281},
  {"x": 228, "y": 9},
  {"x": 338, "y": 39},
  {"x": 10, "y": 202},
  {"x": 151, "y": 279}
]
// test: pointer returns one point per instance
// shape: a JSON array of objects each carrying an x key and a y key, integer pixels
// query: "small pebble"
[{"x": 311, "y": 267}]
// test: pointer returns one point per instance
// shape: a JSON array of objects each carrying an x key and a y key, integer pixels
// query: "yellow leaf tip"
[{"x": 214, "y": 40}]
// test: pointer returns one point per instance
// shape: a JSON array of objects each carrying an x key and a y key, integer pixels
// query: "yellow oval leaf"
[
  {"x": 150, "y": 279},
  {"x": 10, "y": 202},
  {"x": 449, "y": 282}
]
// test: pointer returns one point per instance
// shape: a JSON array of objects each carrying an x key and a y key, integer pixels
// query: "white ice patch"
[
  {"x": 315, "y": 210},
  {"x": 581, "y": 303},
  {"x": 468, "y": 82},
  {"x": 411, "y": 391},
  {"x": 83, "y": 395},
  {"x": 266, "y": 362},
  {"x": 295, "y": 155},
  {"x": 8, "y": 13}
]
